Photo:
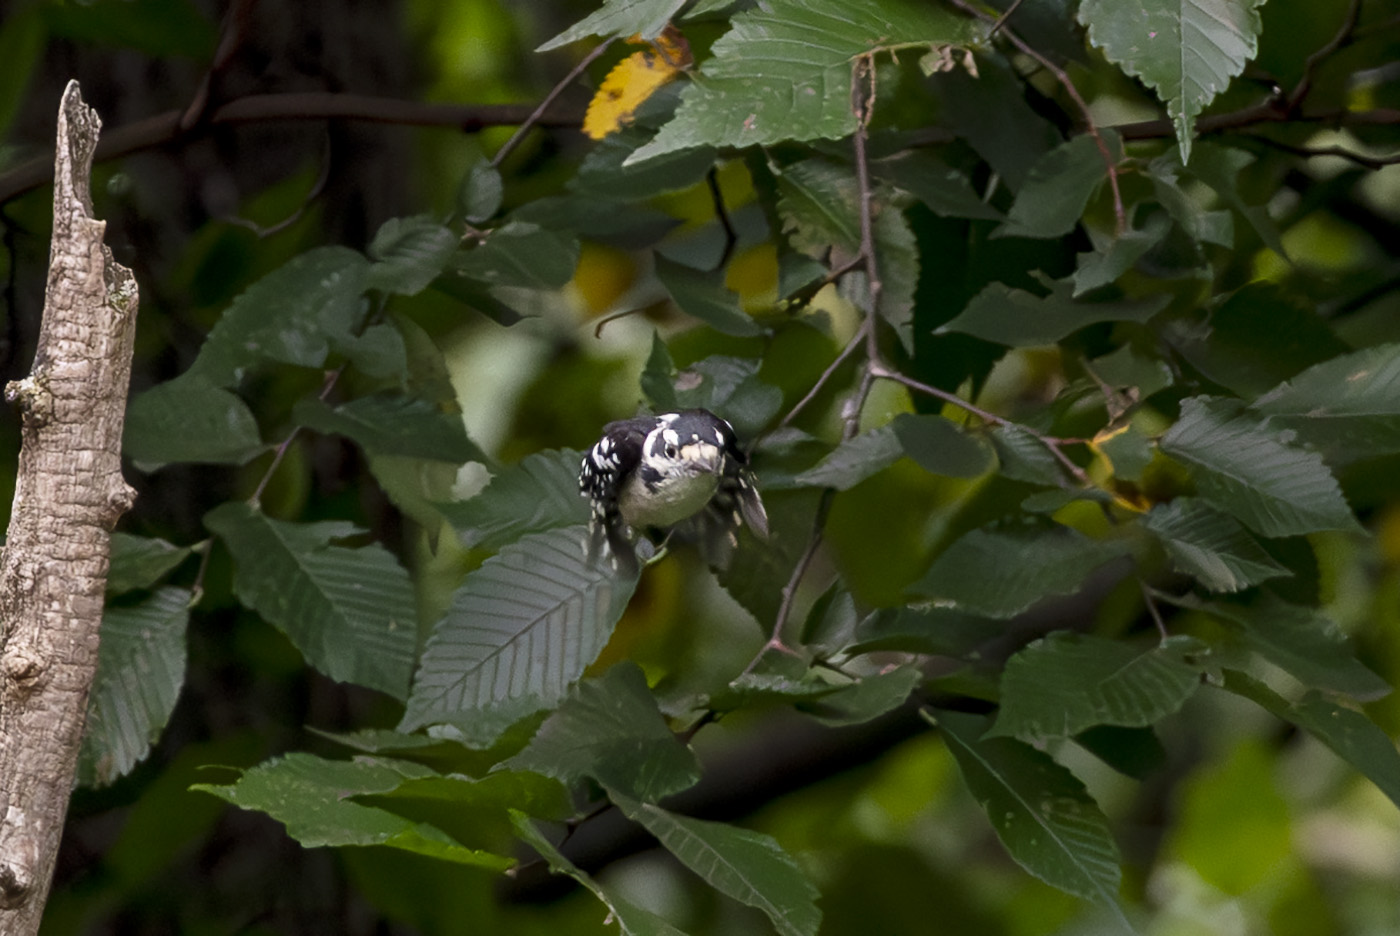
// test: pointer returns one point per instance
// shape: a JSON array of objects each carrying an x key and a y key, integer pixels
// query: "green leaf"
[
  {"x": 1022, "y": 319},
  {"x": 140, "y": 669},
  {"x": 1000, "y": 572},
  {"x": 1351, "y": 735},
  {"x": 748, "y": 866},
  {"x": 351, "y": 612},
  {"x": 854, "y": 460},
  {"x": 633, "y": 920},
  {"x": 523, "y": 255},
  {"x": 731, "y": 387},
  {"x": 294, "y": 315},
  {"x": 1105, "y": 265},
  {"x": 188, "y": 419},
  {"x": 939, "y": 446},
  {"x": 1258, "y": 336},
  {"x": 1249, "y": 469},
  {"x": 783, "y": 71},
  {"x": 705, "y": 297},
  {"x": 1349, "y": 407},
  {"x": 1041, "y": 812},
  {"x": 1306, "y": 644},
  {"x": 481, "y": 193},
  {"x": 1219, "y": 167},
  {"x": 409, "y": 253},
  {"x": 1066, "y": 682},
  {"x": 520, "y": 632},
  {"x": 140, "y": 562},
  {"x": 866, "y": 699},
  {"x": 311, "y": 796},
  {"x": 819, "y": 202},
  {"x": 657, "y": 380},
  {"x": 487, "y": 797},
  {"x": 393, "y": 424},
  {"x": 538, "y": 494},
  {"x": 1201, "y": 225},
  {"x": 1211, "y": 546},
  {"x": 1019, "y": 136},
  {"x": 610, "y": 729},
  {"x": 602, "y": 174},
  {"x": 1185, "y": 50},
  {"x": 1024, "y": 457},
  {"x": 620, "y": 18},
  {"x": 946, "y": 191},
  {"x": 1060, "y": 184}
]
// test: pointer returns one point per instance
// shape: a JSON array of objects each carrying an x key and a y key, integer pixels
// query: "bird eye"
[{"x": 670, "y": 451}]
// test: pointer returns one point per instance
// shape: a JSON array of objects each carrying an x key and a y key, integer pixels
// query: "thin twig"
[
  {"x": 538, "y": 113},
  {"x": 1120, "y": 217},
  {"x": 1152, "y": 608},
  {"x": 1341, "y": 152},
  {"x": 317, "y": 187},
  {"x": 731, "y": 237},
  {"x": 613, "y": 317},
  {"x": 1339, "y": 40},
  {"x": 857, "y": 341},
  {"x": 1051, "y": 443},
  {"x": 862, "y": 105},
  {"x": 282, "y": 449},
  {"x": 1001, "y": 20}
]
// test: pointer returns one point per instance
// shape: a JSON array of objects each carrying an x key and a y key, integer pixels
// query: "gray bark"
[{"x": 69, "y": 493}]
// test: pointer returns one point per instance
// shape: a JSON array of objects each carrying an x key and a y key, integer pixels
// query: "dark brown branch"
[
  {"x": 163, "y": 129},
  {"x": 1342, "y": 38}
]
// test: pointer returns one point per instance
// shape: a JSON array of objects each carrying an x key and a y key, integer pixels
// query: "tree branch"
[
  {"x": 163, "y": 129},
  {"x": 69, "y": 494}
]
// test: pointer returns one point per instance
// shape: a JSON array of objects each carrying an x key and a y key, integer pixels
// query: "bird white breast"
[{"x": 671, "y": 501}]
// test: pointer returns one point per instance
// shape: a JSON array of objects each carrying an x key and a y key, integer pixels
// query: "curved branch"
[{"x": 165, "y": 128}]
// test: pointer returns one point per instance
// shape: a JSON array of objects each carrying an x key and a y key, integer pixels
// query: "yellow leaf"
[{"x": 633, "y": 80}]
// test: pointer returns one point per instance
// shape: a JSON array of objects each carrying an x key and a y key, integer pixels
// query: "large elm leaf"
[
  {"x": 1185, "y": 50},
  {"x": 939, "y": 446},
  {"x": 749, "y": 866},
  {"x": 854, "y": 460},
  {"x": 294, "y": 315},
  {"x": 1048, "y": 822},
  {"x": 311, "y": 796},
  {"x": 409, "y": 253},
  {"x": 1348, "y": 407},
  {"x": 538, "y": 494},
  {"x": 631, "y": 919},
  {"x": 1060, "y": 184},
  {"x": 140, "y": 669},
  {"x": 620, "y": 18},
  {"x": 704, "y": 296},
  {"x": 1001, "y": 571},
  {"x": 188, "y": 419},
  {"x": 819, "y": 202},
  {"x": 1246, "y": 467},
  {"x": 610, "y": 729},
  {"x": 1350, "y": 734},
  {"x": 783, "y": 71},
  {"x": 393, "y": 424},
  {"x": 1305, "y": 643},
  {"x": 521, "y": 254},
  {"x": 1022, "y": 319},
  {"x": 1211, "y": 546},
  {"x": 140, "y": 561},
  {"x": 351, "y": 612},
  {"x": 520, "y": 632},
  {"x": 1065, "y": 683}
]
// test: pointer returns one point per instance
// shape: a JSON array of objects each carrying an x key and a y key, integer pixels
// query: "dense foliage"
[{"x": 1066, "y": 347}]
